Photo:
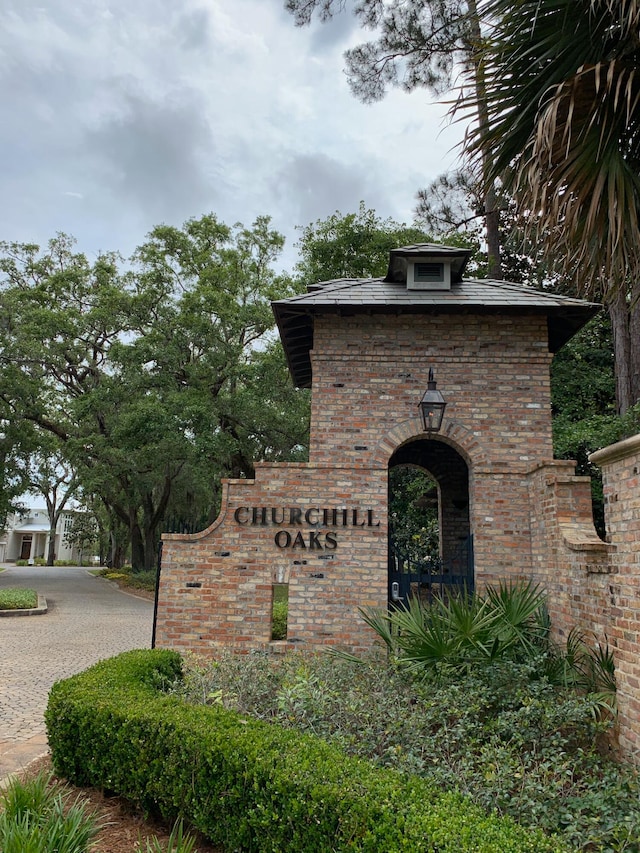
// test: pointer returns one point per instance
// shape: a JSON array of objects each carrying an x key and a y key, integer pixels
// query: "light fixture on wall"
[{"x": 432, "y": 406}]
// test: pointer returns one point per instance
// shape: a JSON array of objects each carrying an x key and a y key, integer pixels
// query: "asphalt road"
[{"x": 88, "y": 619}]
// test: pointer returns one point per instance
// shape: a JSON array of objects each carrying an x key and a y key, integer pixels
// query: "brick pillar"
[{"x": 620, "y": 464}]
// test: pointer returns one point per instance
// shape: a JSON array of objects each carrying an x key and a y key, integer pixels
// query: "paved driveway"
[{"x": 88, "y": 619}]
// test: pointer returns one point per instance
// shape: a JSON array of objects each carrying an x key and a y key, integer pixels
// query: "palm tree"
[{"x": 563, "y": 96}]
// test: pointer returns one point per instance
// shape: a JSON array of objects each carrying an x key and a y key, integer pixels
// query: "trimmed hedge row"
[{"x": 248, "y": 785}]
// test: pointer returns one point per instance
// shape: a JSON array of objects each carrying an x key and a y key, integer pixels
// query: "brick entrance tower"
[{"x": 365, "y": 347}]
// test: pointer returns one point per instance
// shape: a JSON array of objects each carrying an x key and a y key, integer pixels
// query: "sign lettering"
[{"x": 315, "y": 517}]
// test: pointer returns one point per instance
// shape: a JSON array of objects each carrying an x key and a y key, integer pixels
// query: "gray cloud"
[
  {"x": 315, "y": 186},
  {"x": 334, "y": 33},
  {"x": 192, "y": 30},
  {"x": 158, "y": 155},
  {"x": 325, "y": 35},
  {"x": 118, "y": 115}
]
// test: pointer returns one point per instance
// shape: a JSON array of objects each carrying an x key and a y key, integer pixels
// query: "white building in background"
[{"x": 26, "y": 537}]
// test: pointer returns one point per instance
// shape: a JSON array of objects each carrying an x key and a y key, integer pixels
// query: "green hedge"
[{"x": 248, "y": 785}]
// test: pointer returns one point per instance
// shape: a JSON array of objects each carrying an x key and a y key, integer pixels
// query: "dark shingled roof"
[{"x": 295, "y": 315}]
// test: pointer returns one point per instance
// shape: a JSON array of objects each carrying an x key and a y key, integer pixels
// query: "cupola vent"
[{"x": 431, "y": 274}]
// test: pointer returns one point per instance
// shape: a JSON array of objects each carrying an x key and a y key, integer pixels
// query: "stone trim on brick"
[{"x": 615, "y": 452}]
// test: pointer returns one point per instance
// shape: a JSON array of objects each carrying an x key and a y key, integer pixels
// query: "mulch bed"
[{"x": 124, "y": 829}]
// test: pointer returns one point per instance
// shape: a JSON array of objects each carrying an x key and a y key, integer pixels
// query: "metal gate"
[{"x": 428, "y": 577}]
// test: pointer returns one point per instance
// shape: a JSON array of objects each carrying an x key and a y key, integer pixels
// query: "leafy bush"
[
  {"x": 126, "y": 577},
  {"x": 248, "y": 785},
  {"x": 15, "y": 598},
  {"x": 142, "y": 580},
  {"x": 461, "y": 632},
  {"x": 458, "y": 634},
  {"x": 501, "y": 734},
  {"x": 39, "y": 817},
  {"x": 279, "y": 620}
]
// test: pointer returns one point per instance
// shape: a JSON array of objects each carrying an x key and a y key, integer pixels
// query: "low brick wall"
[
  {"x": 569, "y": 559},
  {"x": 321, "y": 530}
]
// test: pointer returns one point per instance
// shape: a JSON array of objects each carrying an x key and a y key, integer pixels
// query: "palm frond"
[
  {"x": 563, "y": 99},
  {"x": 380, "y": 622}
]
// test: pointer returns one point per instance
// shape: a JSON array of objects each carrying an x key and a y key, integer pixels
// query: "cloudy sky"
[{"x": 118, "y": 115}]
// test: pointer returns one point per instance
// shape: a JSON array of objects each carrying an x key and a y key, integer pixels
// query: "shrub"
[
  {"x": 142, "y": 580},
  {"x": 249, "y": 785},
  {"x": 14, "y": 598},
  {"x": 126, "y": 577},
  {"x": 462, "y": 632},
  {"x": 502, "y": 734},
  {"x": 279, "y": 620}
]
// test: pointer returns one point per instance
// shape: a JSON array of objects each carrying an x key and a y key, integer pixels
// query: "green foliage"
[
  {"x": 142, "y": 580},
  {"x": 462, "y": 632},
  {"x": 249, "y": 785},
  {"x": 15, "y": 598},
  {"x": 279, "y": 620},
  {"x": 587, "y": 665},
  {"x": 413, "y": 512},
  {"x": 154, "y": 381},
  {"x": 352, "y": 245},
  {"x": 16, "y": 442},
  {"x": 38, "y": 816},
  {"x": 416, "y": 44},
  {"x": 127, "y": 577},
  {"x": 178, "y": 843},
  {"x": 560, "y": 135},
  {"x": 82, "y": 532},
  {"x": 582, "y": 373},
  {"x": 583, "y": 395},
  {"x": 280, "y": 612},
  {"x": 501, "y": 733},
  {"x": 563, "y": 140}
]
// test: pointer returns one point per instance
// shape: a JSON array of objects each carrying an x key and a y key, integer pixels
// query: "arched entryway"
[{"x": 430, "y": 541}]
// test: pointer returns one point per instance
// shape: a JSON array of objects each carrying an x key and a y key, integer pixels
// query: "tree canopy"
[
  {"x": 563, "y": 101},
  {"x": 158, "y": 378},
  {"x": 430, "y": 44},
  {"x": 351, "y": 245}
]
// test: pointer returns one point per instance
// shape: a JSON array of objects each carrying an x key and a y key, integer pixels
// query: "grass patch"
[{"x": 15, "y": 598}]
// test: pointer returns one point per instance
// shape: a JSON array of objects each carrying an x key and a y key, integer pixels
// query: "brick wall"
[
  {"x": 332, "y": 568},
  {"x": 369, "y": 374},
  {"x": 620, "y": 464},
  {"x": 530, "y": 515},
  {"x": 568, "y": 557}
]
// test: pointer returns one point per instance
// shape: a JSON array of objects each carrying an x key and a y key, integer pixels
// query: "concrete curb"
[
  {"x": 32, "y": 611},
  {"x": 23, "y": 768}
]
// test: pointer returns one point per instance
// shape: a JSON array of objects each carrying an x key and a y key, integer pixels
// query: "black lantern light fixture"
[{"x": 432, "y": 406}]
